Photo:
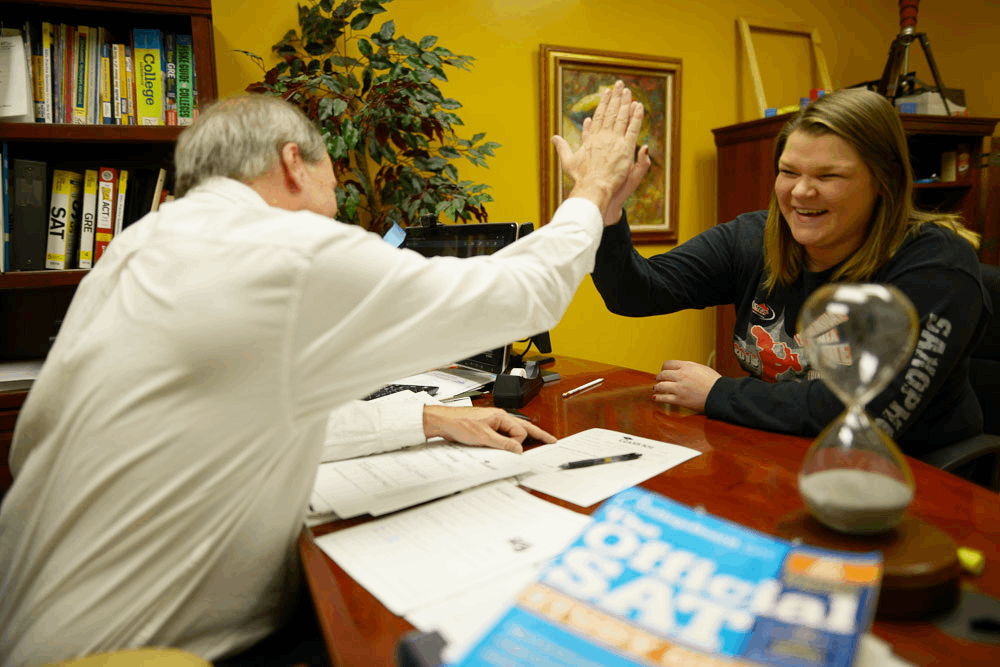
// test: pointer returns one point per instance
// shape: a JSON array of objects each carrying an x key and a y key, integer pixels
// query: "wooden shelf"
[
  {"x": 89, "y": 133},
  {"x": 187, "y": 7},
  {"x": 41, "y": 279}
]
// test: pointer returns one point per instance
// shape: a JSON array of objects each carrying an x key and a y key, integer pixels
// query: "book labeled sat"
[{"x": 652, "y": 582}]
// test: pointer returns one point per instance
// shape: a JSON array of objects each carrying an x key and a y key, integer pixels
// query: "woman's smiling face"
[{"x": 826, "y": 194}]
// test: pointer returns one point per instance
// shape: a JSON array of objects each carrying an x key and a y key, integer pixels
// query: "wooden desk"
[{"x": 744, "y": 475}]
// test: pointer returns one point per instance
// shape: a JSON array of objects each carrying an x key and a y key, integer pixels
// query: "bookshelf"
[
  {"x": 746, "y": 179},
  {"x": 32, "y": 302}
]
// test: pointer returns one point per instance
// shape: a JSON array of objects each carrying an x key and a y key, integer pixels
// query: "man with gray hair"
[{"x": 164, "y": 458}]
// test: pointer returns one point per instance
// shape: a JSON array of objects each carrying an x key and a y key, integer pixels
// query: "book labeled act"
[
  {"x": 147, "y": 54},
  {"x": 64, "y": 218},
  {"x": 88, "y": 225},
  {"x": 652, "y": 582},
  {"x": 107, "y": 189}
]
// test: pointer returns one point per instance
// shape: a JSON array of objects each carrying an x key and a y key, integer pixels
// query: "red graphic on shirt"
[{"x": 775, "y": 358}]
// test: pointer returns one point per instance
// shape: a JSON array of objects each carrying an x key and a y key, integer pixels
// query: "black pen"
[{"x": 596, "y": 462}]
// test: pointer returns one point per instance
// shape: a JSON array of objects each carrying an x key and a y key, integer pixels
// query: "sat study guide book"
[{"x": 652, "y": 582}]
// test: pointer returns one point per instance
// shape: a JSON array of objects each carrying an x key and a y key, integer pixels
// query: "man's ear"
[{"x": 292, "y": 167}]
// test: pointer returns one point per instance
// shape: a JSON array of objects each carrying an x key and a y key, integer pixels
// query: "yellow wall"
[{"x": 501, "y": 98}]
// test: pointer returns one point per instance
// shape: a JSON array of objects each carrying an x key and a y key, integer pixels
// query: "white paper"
[
  {"x": 438, "y": 550},
  {"x": 16, "y": 102},
  {"x": 586, "y": 486},
  {"x": 390, "y": 481},
  {"x": 450, "y": 381}
]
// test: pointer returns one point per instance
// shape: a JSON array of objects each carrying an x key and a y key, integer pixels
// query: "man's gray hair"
[{"x": 241, "y": 138}]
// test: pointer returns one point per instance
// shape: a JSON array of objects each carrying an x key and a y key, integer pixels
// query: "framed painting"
[{"x": 571, "y": 82}]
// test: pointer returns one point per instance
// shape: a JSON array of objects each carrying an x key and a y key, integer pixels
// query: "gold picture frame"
[{"x": 570, "y": 82}]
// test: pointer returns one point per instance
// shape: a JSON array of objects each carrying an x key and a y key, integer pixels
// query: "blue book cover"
[{"x": 653, "y": 582}]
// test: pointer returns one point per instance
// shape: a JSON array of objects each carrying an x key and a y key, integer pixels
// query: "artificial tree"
[{"x": 389, "y": 130}]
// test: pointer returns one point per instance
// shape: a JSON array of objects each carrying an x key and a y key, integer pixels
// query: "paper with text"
[
  {"x": 435, "y": 551},
  {"x": 390, "y": 481},
  {"x": 586, "y": 486}
]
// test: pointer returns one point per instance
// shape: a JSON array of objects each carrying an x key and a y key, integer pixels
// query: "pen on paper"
[
  {"x": 583, "y": 387},
  {"x": 585, "y": 463}
]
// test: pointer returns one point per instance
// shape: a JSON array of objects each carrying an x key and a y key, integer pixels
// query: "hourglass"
[{"x": 857, "y": 337}]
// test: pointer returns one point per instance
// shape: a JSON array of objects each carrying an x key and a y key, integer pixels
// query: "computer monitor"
[{"x": 466, "y": 240}]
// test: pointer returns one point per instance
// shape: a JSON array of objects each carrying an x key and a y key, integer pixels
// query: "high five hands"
[{"x": 605, "y": 169}]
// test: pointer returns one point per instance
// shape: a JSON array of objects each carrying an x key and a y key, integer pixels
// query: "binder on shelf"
[
  {"x": 107, "y": 197},
  {"x": 29, "y": 215},
  {"x": 88, "y": 224},
  {"x": 64, "y": 218},
  {"x": 4, "y": 210}
]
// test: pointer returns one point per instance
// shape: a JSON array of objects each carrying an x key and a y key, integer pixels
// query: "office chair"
[{"x": 966, "y": 457}]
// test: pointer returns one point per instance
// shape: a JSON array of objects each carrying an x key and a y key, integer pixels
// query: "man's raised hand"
[{"x": 606, "y": 157}]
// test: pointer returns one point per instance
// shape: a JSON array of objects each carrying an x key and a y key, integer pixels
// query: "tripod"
[{"x": 895, "y": 79}]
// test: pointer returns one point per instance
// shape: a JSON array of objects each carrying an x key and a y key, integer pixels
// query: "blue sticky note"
[{"x": 395, "y": 236}]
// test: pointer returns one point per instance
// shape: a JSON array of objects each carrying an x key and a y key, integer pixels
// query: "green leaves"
[{"x": 387, "y": 127}]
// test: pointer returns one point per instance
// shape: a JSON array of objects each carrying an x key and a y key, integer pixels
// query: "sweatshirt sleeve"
[{"x": 708, "y": 270}]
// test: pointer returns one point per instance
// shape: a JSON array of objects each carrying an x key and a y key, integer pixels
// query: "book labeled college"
[
  {"x": 107, "y": 188},
  {"x": 147, "y": 56},
  {"x": 29, "y": 215},
  {"x": 652, "y": 582},
  {"x": 185, "y": 80},
  {"x": 64, "y": 218},
  {"x": 88, "y": 223}
]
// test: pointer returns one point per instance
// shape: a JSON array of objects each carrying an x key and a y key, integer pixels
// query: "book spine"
[
  {"x": 170, "y": 81},
  {"x": 47, "y": 70},
  {"x": 148, "y": 64},
  {"x": 129, "y": 85},
  {"x": 69, "y": 73},
  {"x": 88, "y": 225},
  {"x": 29, "y": 216},
  {"x": 64, "y": 214},
  {"x": 120, "y": 204},
  {"x": 58, "y": 46},
  {"x": 119, "y": 105},
  {"x": 107, "y": 115},
  {"x": 80, "y": 92},
  {"x": 33, "y": 52},
  {"x": 185, "y": 80},
  {"x": 107, "y": 186},
  {"x": 93, "y": 81}
]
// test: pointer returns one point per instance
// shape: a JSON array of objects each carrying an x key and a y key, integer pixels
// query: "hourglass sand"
[
  {"x": 855, "y": 483},
  {"x": 857, "y": 337}
]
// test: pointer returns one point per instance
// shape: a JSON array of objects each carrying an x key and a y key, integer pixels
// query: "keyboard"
[{"x": 393, "y": 388}]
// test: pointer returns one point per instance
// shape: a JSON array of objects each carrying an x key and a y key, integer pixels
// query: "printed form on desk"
[
  {"x": 587, "y": 486},
  {"x": 429, "y": 553}
]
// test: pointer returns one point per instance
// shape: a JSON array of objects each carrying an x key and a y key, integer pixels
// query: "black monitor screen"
[{"x": 466, "y": 241}]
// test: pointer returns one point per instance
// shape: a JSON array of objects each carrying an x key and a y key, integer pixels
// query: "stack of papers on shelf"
[
  {"x": 586, "y": 486},
  {"x": 430, "y": 553},
  {"x": 19, "y": 375}
]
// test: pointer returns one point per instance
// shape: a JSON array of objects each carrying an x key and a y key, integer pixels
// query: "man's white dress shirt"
[{"x": 165, "y": 456}]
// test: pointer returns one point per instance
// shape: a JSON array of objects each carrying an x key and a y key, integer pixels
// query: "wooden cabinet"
[
  {"x": 746, "y": 179},
  {"x": 33, "y": 302}
]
